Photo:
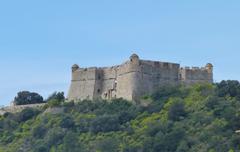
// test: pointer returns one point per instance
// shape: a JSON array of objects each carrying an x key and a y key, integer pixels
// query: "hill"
[{"x": 199, "y": 118}]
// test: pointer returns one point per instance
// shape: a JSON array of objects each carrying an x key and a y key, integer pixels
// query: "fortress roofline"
[{"x": 157, "y": 61}]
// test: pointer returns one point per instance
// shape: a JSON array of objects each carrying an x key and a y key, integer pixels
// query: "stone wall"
[
  {"x": 19, "y": 108},
  {"x": 132, "y": 79},
  {"x": 195, "y": 74},
  {"x": 83, "y": 80},
  {"x": 153, "y": 74}
]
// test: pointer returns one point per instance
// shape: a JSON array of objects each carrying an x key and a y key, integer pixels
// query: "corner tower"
[
  {"x": 209, "y": 68},
  {"x": 83, "y": 83},
  {"x": 134, "y": 59}
]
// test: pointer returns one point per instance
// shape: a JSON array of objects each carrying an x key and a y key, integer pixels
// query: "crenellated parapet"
[{"x": 196, "y": 74}]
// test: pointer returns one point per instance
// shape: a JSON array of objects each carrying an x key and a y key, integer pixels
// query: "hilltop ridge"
[{"x": 200, "y": 117}]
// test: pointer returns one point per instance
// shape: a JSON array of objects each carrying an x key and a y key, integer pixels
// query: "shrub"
[
  {"x": 54, "y": 136},
  {"x": 106, "y": 145},
  {"x": 71, "y": 144},
  {"x": 54, "y": 103},
  {"x": 166, "y": 91},
  {"x": 67, "y": 122},
  {"x": 56, "y": 96},
  {"x": 39, "y": 131},
  {"x": 176, "y": 112},
  {"x": 41, "y": 148},
  {"x": 26, "y": 114},
  {"x": 105, "y": 123}
]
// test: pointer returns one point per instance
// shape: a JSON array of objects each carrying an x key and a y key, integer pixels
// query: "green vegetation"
[
  {"x": 199, "y": 118},
  {"x": 26, "y": 97}
]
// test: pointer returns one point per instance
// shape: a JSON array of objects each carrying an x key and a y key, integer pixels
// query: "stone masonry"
[{"x": 132, "y": 79}]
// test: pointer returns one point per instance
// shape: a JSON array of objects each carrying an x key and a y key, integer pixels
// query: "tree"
[
  {"x": 228, "y": 88},
  {"x": 166, "y": 91},
  {"x": 176, "y": 112},
  {"x": 71, "y": 144},
  {"x": 105, "y": 123},
  {"x": 39, "y": 131},
  {"x": 107, "y": 144},
  {"x": 54, "y": 136},
  {"x": 41, "y": 148},
  {"x": 56, "y": 96},
  {"x": 169, "y": 141},
  {"x": 26, "y": 97},
  {"x": 26, "y": 114},
  {"x": 67, "y": 122},
  {"x": 56, "y": 99}
]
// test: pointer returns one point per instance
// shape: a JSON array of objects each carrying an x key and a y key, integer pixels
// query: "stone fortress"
[{"x": 132, "y": 79}]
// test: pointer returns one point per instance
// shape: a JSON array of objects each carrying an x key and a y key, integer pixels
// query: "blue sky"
[{"x": 40, "y": 40}]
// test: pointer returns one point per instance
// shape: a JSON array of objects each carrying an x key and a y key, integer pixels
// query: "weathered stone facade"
[{"x": 132, "y": 79}]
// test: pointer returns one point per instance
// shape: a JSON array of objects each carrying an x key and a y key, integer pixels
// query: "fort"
[{"x": 132, "y": 79}]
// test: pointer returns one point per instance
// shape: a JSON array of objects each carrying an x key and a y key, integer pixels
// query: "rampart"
[{"x": 132, "y": 79}]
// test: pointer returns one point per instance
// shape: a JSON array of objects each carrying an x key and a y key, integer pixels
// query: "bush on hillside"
[
  {"x": 56, "y": 96},
  {"x": 55, "y": 99}
]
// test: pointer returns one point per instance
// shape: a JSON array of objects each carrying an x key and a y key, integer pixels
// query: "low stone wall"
[{"x": 19, "y": 108}]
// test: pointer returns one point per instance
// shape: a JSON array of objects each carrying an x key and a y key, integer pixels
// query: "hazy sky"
[{"x": 40, "y": 40}]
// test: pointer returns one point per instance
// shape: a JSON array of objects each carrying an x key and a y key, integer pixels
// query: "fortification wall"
[
  {"x": 153, "y": 74},
  {"x": 106, "y": 83},
  {"x": 106, "y": 80},
  {"x": 132, "y": 79},
  {"x": 196, "y": 75},
  {"x": 126, "y": 79},
  {"x": 83, "y": 84}
]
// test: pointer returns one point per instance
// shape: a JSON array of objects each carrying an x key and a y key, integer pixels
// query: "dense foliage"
[
  {"x": 55, "y": 99},
  {"x": 199, "y": 118},
  {"x": 26, "y": 97},
  {"x": 56, "y": 96}
]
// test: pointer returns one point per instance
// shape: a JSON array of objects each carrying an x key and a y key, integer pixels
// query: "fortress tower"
[{"x": 132, "y": 79}]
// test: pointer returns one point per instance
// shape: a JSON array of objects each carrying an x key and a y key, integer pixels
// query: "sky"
[{"x": 41, "y": 40}]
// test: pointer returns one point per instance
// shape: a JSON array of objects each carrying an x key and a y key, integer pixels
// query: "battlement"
[
  {"x": 132, "y": 79},
  {"x": 194, "y": 68},
  {"x": 196, "y": 74}
]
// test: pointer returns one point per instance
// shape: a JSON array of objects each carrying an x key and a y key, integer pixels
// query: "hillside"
[{"x": 198, "y": 118}]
